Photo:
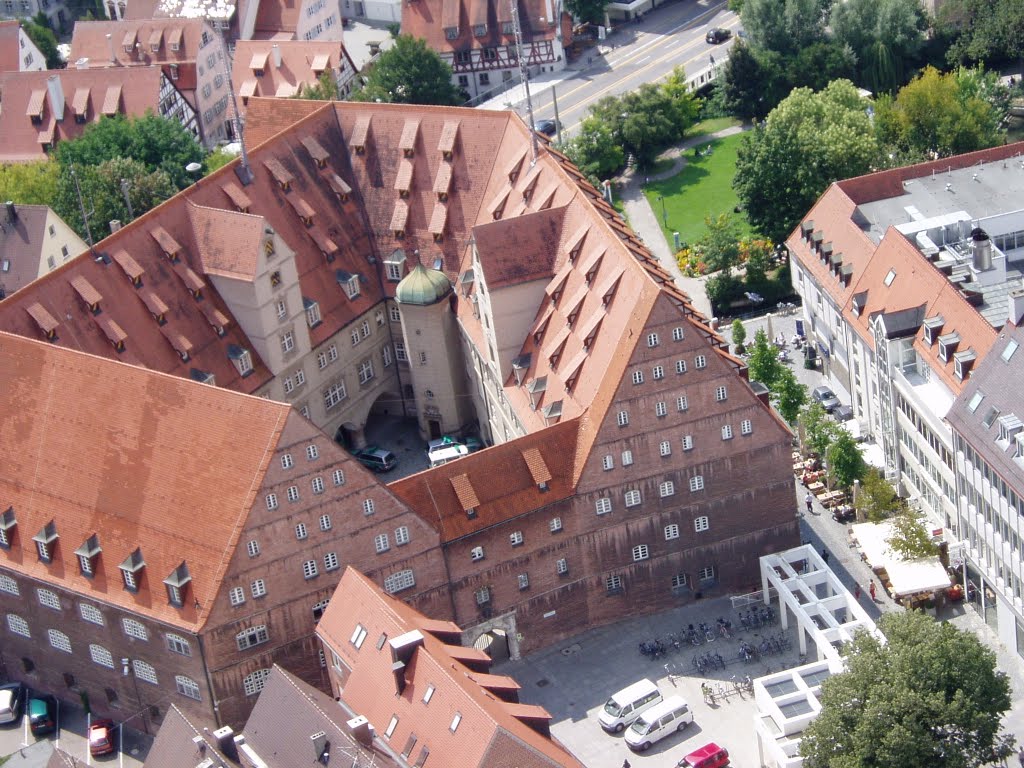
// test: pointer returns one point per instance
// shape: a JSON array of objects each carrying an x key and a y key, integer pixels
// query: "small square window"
[
  {"x": 671, "y": 532},
  {"x": 561, "y": 566},
  {"x": 604, "y": 506},
  {"x": 700, "y": 361},
  {"x": 613, "y": 584},
  {"x": 516, "y": 538},
  {"x": 640, "y": 552},
  {"x": 476, "y": 554},
  {"x": 727, "y": 432},
  {"x": 608, "y": 462},
  {"x": 331, "y": 561},
  {"x": 236, "y": 595},
  {"x": 632, "y": 498},
  {"x": 701, "y": 524},
  {"x": 707, "y": 573},
  {"x": 627, "y": 458},
  {"x": 667, "y": 488},
  {"x": 697, "y": 483},
  {"x": 555, "y": 525},
  {"x": 309, "y": 569},
  {"x": 665, "y": 448},
  {"x": 746, "y": 427}
]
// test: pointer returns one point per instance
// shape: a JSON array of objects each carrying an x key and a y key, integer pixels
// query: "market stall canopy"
[{"x": 908, "y": 577}]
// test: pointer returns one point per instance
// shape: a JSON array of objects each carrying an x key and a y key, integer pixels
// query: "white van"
[
  {"x": 440, "y": 456},
  {"x": 625, "y": 706},
  {"x": 673, "y": 714}
]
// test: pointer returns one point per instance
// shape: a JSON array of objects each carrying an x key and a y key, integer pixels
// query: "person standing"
[
  {"x": 824, "y": 555},
  {"x": 856, "y": 593},
  {"x": 809, "y": 501},
  {"x": 871, "y": 590}
]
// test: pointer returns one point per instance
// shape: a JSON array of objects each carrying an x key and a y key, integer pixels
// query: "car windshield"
[
  {"x": 6, "y": 697},
  {"x": 612, "y": 708},
  {"x": 641, "y": 727},
  {"x": 98, "y": 735}
]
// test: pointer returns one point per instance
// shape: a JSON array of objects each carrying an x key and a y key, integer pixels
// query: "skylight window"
[
  {"x": 1008, "y": 352},
  {"x": 455, "y": 722},
  {"x": 972, "y": 406},
  {"x": 890, "y": 277}
]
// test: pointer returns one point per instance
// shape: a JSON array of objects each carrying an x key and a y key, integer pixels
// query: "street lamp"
[
  {"x": 664, "y": 213},
  {"x": 125, "y": 663}
]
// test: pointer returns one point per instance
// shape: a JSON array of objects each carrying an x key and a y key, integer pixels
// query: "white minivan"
[
  {"x": 625, "y": 706},
  {"x": 440, "y": 456},
  {"x": 673, "y": 714}
]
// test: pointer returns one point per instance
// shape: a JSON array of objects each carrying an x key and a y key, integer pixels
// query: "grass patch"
[
  {"x": 703, "y": 188},
  {"x": 713, "y": 125},
  {"x": 660, "y": 166}
]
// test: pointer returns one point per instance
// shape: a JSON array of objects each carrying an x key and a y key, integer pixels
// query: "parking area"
[{"x": 573, "y": 681}]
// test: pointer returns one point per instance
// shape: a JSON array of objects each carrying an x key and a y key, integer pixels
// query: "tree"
[
  {"x": 876, "y": 498},
  {"x": 990, "y": 31},
  {"x": 945, "y": 114},
  {"x": 410, "y": 73},
  {"x": 719, "y": 245},
  {"x": 845, "y": 459},
  {"x": 595, "y": 150},
  {"x": 788, "y": 395},
  {"x": 751, "y": 86},
  {"x": 784, "y": 26},
  {"x": 102, "y": 193},
  {"x": 39, "y": 32},
  {"x": 819, "y": 430},
  {"x": 910, "y": 538},
  {"x": 587, "y": 10},
  {"x": 764, "y": 364},
  {"x": 807, "y": 142},
  {"x": 154, "y": 141},
  {"x": 325, "y": 88},
  {"x": 218, "y": 158},
  {"x": 29, "y": 183},
  {"x": 885, "y": 36},
  {"x": 818, "y": 64},
  {"x": 930, "y": 697},
  {"x": 739, "y": 335}
]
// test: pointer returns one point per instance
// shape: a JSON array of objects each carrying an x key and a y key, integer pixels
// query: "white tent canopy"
[{"x": 908, "y": 577}]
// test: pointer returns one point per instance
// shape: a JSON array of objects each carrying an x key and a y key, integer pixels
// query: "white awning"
[{"x": 907, "y": 577}]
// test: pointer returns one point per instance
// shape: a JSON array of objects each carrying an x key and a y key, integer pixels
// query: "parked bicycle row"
[
  {"x": 768, "y": 645},
  {"x": 756, "y": 617},
  {"x": 690, "y": 636}
]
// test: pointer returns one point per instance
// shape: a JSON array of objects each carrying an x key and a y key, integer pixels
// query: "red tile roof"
[
  {"x": 89, "y": 41},
  {"x": 10, "y": 45},
  {"x": 429, "y": 19},
  {"x": 168, "y": 476},
  {"x": 139, "y": 89},
  {"x": 298, "y": 58},
  {"x": 487, "y": 726}
]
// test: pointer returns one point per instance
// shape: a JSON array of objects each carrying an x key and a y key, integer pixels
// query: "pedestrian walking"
[
  {"x": 1020, "y": 757},
  {"x": 856, "y": 593},
  {"x": 625, "y": 764},
  {"x": 809, "y": 501},
  {"x": 825, "y": 555},
  {"x": 871, "y": 589}
]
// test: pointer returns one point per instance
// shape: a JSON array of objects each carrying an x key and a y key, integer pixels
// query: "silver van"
[
  {"x": 673, "y": 714},
  {"x": 625, "y": 706},
  {"x": 440, "y": 456}
]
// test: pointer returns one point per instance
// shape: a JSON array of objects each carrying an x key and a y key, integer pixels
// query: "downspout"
[{"x": 209, "y": 680}]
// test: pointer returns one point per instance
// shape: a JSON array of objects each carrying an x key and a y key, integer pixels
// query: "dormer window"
[
  {"x": 932, "y": 329},
  {"x": 312, "y": 308},
  {"x": 947, "y": 345},
  {"x": 451, "y": 33},
  {"x": 962, "y": 362},
  {"x": 177, "y": 584},
  {"x": 132, "y": 569},
  {"x": 1009, "y": 426},
  {"x": 241, "y": 358},
  {"x": 46, "y": 542},
  {"x": 394, "y": 265},
  {"x": 479, "y": 30},
  {"x": 7, "y": 525},
  {"x": 87, "y": 555},
  {"x": 350, "y": 284}
]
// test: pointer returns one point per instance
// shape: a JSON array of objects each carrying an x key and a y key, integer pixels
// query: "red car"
[
  {"x": 709, "y": 756},
  {"x": 102, "y": 737}
]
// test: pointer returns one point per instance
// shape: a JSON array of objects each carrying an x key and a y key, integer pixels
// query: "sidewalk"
[{"x": 644, "y": 221}]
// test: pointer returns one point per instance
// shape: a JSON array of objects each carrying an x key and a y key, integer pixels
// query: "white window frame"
[
  {"x": 665, "y": 448},
  {"x": 178, "y": 644},
  {"x": 310, "y": 570},
  {"x": 721, "y": 394},
  {"x": 603, "y": 505},
  {"x": 101, "y": 655},
  {"x": 652, "y": 340},
  {"x": 258, "y": 587},
  {"x": 516, "y": 538},
  {"x": 402, "y": 535},
  {"x": 325, "y": 520},
  {"x": 641, "y": 552},
  {"x": 632, "y": 498},
  {"x": 677, "y": 333},
  {"x": 399, "y": 581},
  {"x": 746, "y": 427},
  {"x": 236, "y": 596},
  {"x": 727, "y": 432},
  {"x": 671, "y": 531},
  {"x": 331, "y": 562},
  {"x": 658, "y": 372},
  {"x": 608, "y": 462},
  {"x": 187, "y": 687},
  {"x": 91, "y": 613},
  {"x": 623, "y": 418},
  {"x": 700, "y": 361},
  {"x": 660, "y": 409},
  {"x": 667, "y": 488},
  {"x": 627, "y": 458},
  {"x": 638, "y": 377},
  {"x": 381, "y": 543},
  {"x": 687, "y": 442},
  {"x": 701, "y": 524},
  {"x": 135, "y": 629},
  {"x": 696, "y": 483},
  {"x": 301, "y": 532},
  {"x": 680, "y": 366}
]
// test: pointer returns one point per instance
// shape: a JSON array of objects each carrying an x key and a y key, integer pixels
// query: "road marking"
[{"x": 641, "y": 61}]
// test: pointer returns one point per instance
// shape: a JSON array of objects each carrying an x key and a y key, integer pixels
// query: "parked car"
[
  {"x": 377, "y": 459},
  {"x": 442, "y": 442},
  {"x": 843, "y": 413},
  {"x": 42, "y": 715},
  {"x": 709, "y": 756},
  {"x": 717, "y": 35},
  {"x": 12, "y": 699},
  {"x": 474, "y": 444},
  {"x": 826, "y": 397},
  {"x": 671, "y": 715},
  {"x": 102, "y": 737},
  {"x": 548, "y": 127}
]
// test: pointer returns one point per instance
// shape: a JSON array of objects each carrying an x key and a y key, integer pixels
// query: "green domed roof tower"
[{"x": 423, "y": 287}]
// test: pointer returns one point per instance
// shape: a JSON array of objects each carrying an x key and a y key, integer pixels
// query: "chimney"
[
  {"x": 56, "y": 89},
  {"x": 226, "y": 742},
  {"x": 110, "y": 49},
  {"x": 12, "y": 212},
  {"x": 1016, "y": 305},
  {"x": 82, "y": 63},
  {"x": 115, "y": 225},
  {"x": 361, "y": 730},
  {"x": 276, "y": 50},
  {"x": 321, "y": 747},
  {"x": 982, "y": 249},
  {"x": 402, "y": 649}
]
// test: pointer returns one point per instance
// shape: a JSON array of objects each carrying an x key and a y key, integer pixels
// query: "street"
[{"x": 635, "y": 53}]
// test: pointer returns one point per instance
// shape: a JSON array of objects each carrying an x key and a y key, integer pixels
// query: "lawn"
[{"x": 703, "y": 188}]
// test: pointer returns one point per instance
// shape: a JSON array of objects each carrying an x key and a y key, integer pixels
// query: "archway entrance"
[{"x": 495, "y": 644}]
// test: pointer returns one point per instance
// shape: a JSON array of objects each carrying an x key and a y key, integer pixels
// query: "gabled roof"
[
  {"x": 485, "y": 723},
  {"x": 302, "y": 61},
  {"x": 89, "y": 41},
  {"x": 24, "y": 138},
  {"x": 231, "y": 241},
  {"x": 428, "y": 19},
  {"x": 10, "y": 46},
  {"x": 146, "y": 462},
  {"x": 21, "y": 245},
  {"x": 521, "y": 249}
]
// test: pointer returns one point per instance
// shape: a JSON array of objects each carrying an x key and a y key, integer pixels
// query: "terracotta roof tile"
[
  {"x": 485, "y": 720},
  {"x": 161, "y": 36},
  {"x": 148, "y": 484}
]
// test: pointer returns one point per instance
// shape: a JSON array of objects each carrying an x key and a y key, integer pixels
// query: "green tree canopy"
[
  {"x": 29, "y": 183},
  {"x": 784, "y": 26},
  {"x": 410, "y": 73},
  {"x": 885, "y": 36},
  {"x": 930, "y": 697},
  {"x": 739, "y": 334},
  {"x": 808, "y": 141},
  {"x": 719, "y": 245},
  {"x": 154, "y": 141},
  {"x": 989, "y": 31},
  {"x": 910, "y": 538},
  {"x": 595, "y": 150},
  {"x": 876, "y": 499},
  {"x": 764, "y": 364},
  {"x": 788, "y": 395},
  {"x": 39, "y": 32},
  {"x": 103, "y": 196},
  {"x": 325, "y": 88},
  {"x": 845, "y": 459},
  {"x": 819, "y": 430},
  {"x": 587, "y": 10},
  {"x": 945, "y": 114}
]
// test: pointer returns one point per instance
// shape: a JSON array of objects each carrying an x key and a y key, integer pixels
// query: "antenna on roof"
[
  {"x": 524, "y": 75},
  {"x": 244, "y": 170},
  {"x": 81, "y": 207}
]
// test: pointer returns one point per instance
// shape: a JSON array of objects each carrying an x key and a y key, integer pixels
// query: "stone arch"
[{"x": 495, "y": 627}]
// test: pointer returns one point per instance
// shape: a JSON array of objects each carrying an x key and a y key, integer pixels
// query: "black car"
[
  {"x": 548, "y": 127},
  {"x": 717, "y": 35},
  {"x": 42, "y": 714}
]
